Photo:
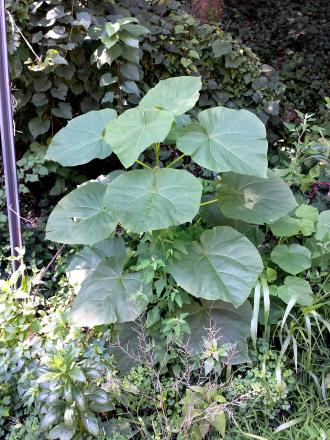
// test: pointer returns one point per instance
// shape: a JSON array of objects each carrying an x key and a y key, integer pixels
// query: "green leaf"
[
  {"x": 298, "y": 288},
  {"x": 108, "y": 295},
  {"x": 233, "y": 325},
  {"x": 135, "y": 130},
  {"x": 81, "y": 140},
  {"x": 61, "y": 432},
  {"x": 90, "y": 423},
  {"x": 221, "y": 48},
  {"x": 286, "y": 226},
  {"x": 80, "y": 217},
  {"x": 255, "y": 200},
  {"x": 306, "y": 227},
  {"x": 38, "y": 126},
  {"x": 176, "y": 95},
  {"x": 307, "y": 212},
  {"x": 292, "y": 259},
  {"x": 224, "y": 265},
  {"x": 88, "y": 259},
  {"x": 323, "y": 226},
  {"x": 227, "y": 140},
  {"x": 145, "y": 200}
]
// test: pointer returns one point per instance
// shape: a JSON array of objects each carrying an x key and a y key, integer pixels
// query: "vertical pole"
[{"x": 7, "y": 142}]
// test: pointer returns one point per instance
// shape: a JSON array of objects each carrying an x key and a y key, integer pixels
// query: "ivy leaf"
[
  {"x": 108, "y": 295},
  {"x": 145, "y": 200},
  {"x": 232, "y": 324},
  {"x": 227, "y": 140},
  {"x": 80, "y": 217},
  {"x": 176, "y": 95},
  {"x": 292, "y": 259},
  {"x": 88, "y": 259},
  {"x": 81, "y": 140},
  {"x": 135, "y": 130},
  {"x": 298, "y": 288},
  {"x": 255, "y": 200},
  {"x": 38, "y": 126},
  {"x": 224, "y": 265},
  {"x": 323, "y": 226}
]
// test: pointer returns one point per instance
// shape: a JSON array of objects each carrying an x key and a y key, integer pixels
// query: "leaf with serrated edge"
[
  {"x": 254, "y": 199},
  {"x": 145, "y": 200},
  {"x": 227, "y": 140},
  {"x": 135, "y": 130},
  {"x": 176, "y": 95},
  {"x": 223, "y": 266},
  {"x": 80, "y": 217},
  {"x": 81, "y": 140}
]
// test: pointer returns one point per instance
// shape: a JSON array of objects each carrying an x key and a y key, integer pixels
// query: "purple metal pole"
[{"x": 7, "y": 142}]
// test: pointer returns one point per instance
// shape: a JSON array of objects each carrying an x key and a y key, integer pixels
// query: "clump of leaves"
[{"x": 218, "y": 267}]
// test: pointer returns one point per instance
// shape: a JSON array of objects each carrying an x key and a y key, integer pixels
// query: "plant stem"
[
  {"x": 157, "y": 149},
  {"x": 175, "y": 161},
  {"x": 209, "y": 202},
  {"x": 143, "y": 164}
]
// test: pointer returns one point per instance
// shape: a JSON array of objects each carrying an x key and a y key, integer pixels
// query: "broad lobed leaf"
[
  {"x": 81, "y": 140},
  {"x": 224, "y": 265}
]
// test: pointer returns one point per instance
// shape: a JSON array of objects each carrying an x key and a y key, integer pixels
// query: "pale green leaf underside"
[
  {"x": 109, "y": 296},
  {"x": 80, "y": 217},
  {"x": 292, "y": 259},
  {"x": 81, "y": 140},
  {"x": 254, "y": 199},
  {"x": 233, "y": 325},
  {"x": 227, "y": 140},
  {"x": 135, "y": 130},
  {"x": 145, "y": 200},
  {"x": 176, "y": 95},
  {"x": 223, "y": 266},
  {"x": 90, "y": 257}
]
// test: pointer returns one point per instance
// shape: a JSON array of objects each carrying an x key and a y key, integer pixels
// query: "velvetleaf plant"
[{"x": 222, "y": 267}]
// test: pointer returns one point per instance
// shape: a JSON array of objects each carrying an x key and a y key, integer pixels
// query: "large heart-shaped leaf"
[
  {"x": 292, "y": 259},
  {"x": 255, "y": 200},
  {"x": 232, "y": 325},
  {"x": 81, "y": 140},
  {"x": 108, "y": 295},
  {"x": 224, "y": 265},
  {"x": 227, "y": 140},
  {"x": 176, "y": 95},
  {"x": 135, "y": 130},
  {"x": 80, "y": 217},
  {"x": 145, "y": 200},
  {"x": 90, "y": 257}
]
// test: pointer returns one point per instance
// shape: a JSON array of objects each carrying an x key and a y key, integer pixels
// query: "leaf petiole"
[
  {"x": 209, "y": 202},
  {"x": 143, "y": 164},
  {"x": 175, "y": 161}
]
